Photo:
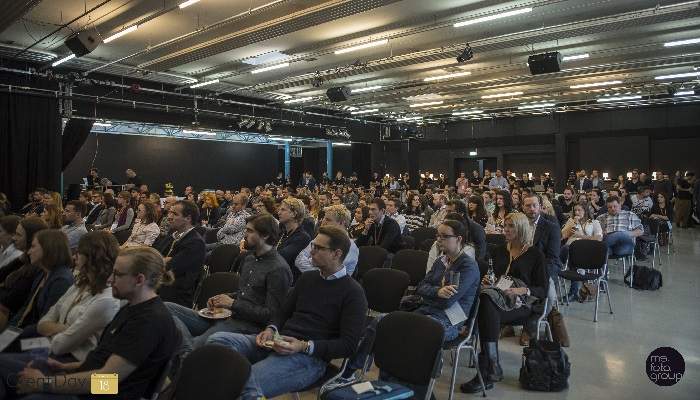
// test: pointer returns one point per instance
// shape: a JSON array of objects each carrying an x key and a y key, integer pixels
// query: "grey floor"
[{"x": 608, "y": 357}]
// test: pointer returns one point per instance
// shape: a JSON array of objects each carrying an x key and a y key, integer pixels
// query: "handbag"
[
  {"x": 645, "y": 278},
  {"x": 382, "y": 391},
  {"x": 546, "y": 367},
  {"x": 410, "y": 303},
  {"x": 559, "y": 332},
  {"x": 587, "y": 292}
]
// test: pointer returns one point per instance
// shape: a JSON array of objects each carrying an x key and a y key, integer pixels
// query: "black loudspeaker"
[
  {"x": 336, "y": 94},
  {"x": 84, "y": 42},
  {"x": 544, "y": 63}
]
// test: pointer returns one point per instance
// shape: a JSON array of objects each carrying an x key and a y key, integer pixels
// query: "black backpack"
[
  {"x": 546, "y": 367},
  {"x": 645, "y": 278}
]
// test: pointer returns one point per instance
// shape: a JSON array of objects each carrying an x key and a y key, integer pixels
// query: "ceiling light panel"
[
  {"x": 494, "y": 16},
  {"x": 587, "y": 85},
  {"x": 362, "y": 46},
  {"x": 495, "y": 96}
]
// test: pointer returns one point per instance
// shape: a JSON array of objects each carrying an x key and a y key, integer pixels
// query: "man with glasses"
[
  {"x": 136, "y": 345},
  {"x": 381, "y": 230},
  {"x": 232, "y": 231},
  {"x": 97, "y": 197},
  {"x": 75, "y": 226},
  {"x": 265, "y": 282},
  {"x": 302, "y": 337}
]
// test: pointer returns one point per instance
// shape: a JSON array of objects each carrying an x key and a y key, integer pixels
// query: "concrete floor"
[{"x": 608, "y": 357}]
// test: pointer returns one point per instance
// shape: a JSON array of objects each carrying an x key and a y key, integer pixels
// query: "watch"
[
  {"x": 528, "y": 291},
  {"x": 46, "y": 387}
]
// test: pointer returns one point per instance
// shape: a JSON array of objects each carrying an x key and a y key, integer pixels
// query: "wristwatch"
[
  {"x": 528, "y": 291},
  {"x": 46, "y": 388}
]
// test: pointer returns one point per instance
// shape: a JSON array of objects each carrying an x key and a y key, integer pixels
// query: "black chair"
[
  {"x": 202, "y": 230},
  {"x": 496, "y": 238},
  {"x": 490, "y": 248},
  {"x": 592, "y": 256},
  {"x": 465, "y": 340},
  {"x": 212, "y": 373},
  {"x": 211, "y": 236},
  {"x": 413, "y": 262},
  {"x": 427, "y": 245},
  {"x": 216, "y": 283},
  {"x": 652, "y": 239},
  {"x": 420, "y": 234},
  {"x": 221, "y": 259},
  {"x": 155, "y": 387},
  {"x": 122, "y": 236},
  {"x": 384, "y": 288},
  {"x": 483, "y": 268},
  {"x": 410, "y": 242},
  {"x": 370, "y": 257},
  {"x": 412, "y": 358}
]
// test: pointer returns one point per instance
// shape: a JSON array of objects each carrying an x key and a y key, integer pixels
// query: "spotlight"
[
  {"x": 317, "y": 80},
  {"x": 250, "y": 123},
  {"x": 466, "y": 55},
  {"x": 243, "y": 122},
  {"x": 261, "y": 124},
  {"x": 268, "y": 126},
  {"x": 671, "y": 90}
]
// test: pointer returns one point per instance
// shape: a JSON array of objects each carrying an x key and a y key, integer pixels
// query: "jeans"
[
  {"x": 196, "y": 329},
  {"x": 11, "y": 364},
  {"x": 272, "y": 374},
  {"x": 619, "y": 243}
]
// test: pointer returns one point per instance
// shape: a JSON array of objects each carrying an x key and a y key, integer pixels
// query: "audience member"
[
  {"x": 683, "y": 199},
  {"x": 568, "y": 204},
  {"x": 633, "y": 183},
  {"x": 125, "y": 214},
  {"x": 582, "y": 184},
  {"x": 292, "y": 238},
  {"x": 619, "y": 227},
  {"x": 361, "y": 215},
  {"x": 504, "y": 206},
  {"x": 75, "y": 225},
  {"x": 381, "y": 230},
  {"x": 477, "y": 211},
  {"x": 580, "y": 226},
  {"x": 53, "y": 215},
  {"x": 498, "y": 182},
  {"x": 439, "y": 212},
  {"x": 8, "y": 251},
  {"x": 145, "y": 229},
  {"x": 209, "y": 212},
  {"x": 641, "y": 202},
  {"x": 417, "y": 214},
  {"x": 98, "y": 206},
  {"x": 392, "y": 210},
  {"x": 234, "y": 227}
]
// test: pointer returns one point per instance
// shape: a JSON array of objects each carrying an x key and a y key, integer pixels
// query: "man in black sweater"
[{"x": 321, "y": 319}]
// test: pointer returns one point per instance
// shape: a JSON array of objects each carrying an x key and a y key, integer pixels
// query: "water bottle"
[{"x": 490, "y": 273}]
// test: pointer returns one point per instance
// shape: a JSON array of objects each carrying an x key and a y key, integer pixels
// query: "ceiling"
[{"x": 228, "y": 39}]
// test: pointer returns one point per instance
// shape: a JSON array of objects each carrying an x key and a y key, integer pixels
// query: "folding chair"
[
  {"x": 370, "y": 257},
  {"x": 155, "y": 387},
  {"x": 427, "y": 245},
  {"x": 212, "y": 373},
  {"x": 222, "y": 258},
  {"x": 466, "y": 340},
  {"x": 652, "y": 239},
  {"x": 592, "y": 256},
  {"x": 413, "y": 262},
  {"x": 423, "y": 233},
  {"x": 216, "y": 283},
  {"x": 384, "y": 288},
  {"x": 410, "y": 242}
]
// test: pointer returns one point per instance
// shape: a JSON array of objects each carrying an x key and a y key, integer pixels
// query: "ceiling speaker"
[
  {"x": 84, "y": 42},
  {"x": 336, "y": 94},
  {"x": 544, "y": 63}
]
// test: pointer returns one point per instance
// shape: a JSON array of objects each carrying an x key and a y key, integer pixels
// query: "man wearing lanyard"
[
  {"x": 381, "y": 231},
  {"x": 184, "y": 253},
  {"x": 301, "y": 338}
]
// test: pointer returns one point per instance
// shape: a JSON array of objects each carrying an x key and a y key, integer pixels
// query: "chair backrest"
[
  {"x": 202, "y": 230},
  {"x": 384, "y": 288},
  {"x": 370, "y": 257},
  {"x": 413, "y": 262},
  {"x": 588, "y": 254},
  {"x": 495, "y": 238},
  {"x": 212, "y": 373},
  {"x": 122, "y": 236},
  {"x": 408, "y": 346},
  {"x": 216, "y": 283},
  {"x": 490, "y": 248},
  {"x": 426, "y": 232},
  {"x": 427, "y": 244},
  {"x": 653, "y": 225},
  {"x": 483, "y": 268},
  {"x": 155, "y": 387},
  {"x": 410, "y": 242},
  {"x": 222, "y": 258},
  {"x": 211, "y": 236}
]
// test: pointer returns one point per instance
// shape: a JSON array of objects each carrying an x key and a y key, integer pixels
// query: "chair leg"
[
  {"x": 607, "y": 291},
  {"x": 597, "y": 298},
  {"x": 631, "y": 272},
  {"x": 454, "y": 373},
  {"x": 296, "y": 396},
  {"x": 478, "y": 373}
]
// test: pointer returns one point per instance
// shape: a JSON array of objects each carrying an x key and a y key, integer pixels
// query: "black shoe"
[{"x": 474, "y": 386}]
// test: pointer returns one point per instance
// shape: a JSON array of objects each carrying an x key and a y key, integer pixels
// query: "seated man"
[
  {"x": 641, "y": 202},
  {"x": 310, "y": 335},
  {"x": 439, "y": 214},
  {"x": 136, "y": 345},
  {"x": 75, "y": 225},
  {"x": 381, "y": 230},
  {"x": 184, "y": 253},
  {"x": 604, "y": 210},
  {"x": 265, "y": 279},
  {"x": 595, "y": 200},
  {"x": 619, "y": 228},
  {"x": 335, "y": 216},
  {"x": 477, "y": 234},
  {"x": 232, "y": 231},
  {"x": 392, "y": 210}
]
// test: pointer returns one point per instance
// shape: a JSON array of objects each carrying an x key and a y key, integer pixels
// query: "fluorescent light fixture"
[
  {"x": 365, "y": 111},
  {"x": 284, "y": 139},
  {"x": 467, "y": 112},
  {"x": 366, "y": 89},
  {"x": 64, "y": 59},
  {"x": 342, "y": 144},
  {"x": 472, "y": 153},
  {"x": 409, "y": 119},
  {"x": 256, "y": 71},
  {"x": 422, "y": 97},
  {"x": 299, "y": 100},
  {"x": 283, "y": 96},
  {"x": 199, "y": 132},
  {"x": 101, "y": 124},
  {"x": 204, "y": 84},
  {"x": 494, "y": 16},
  {"x": 576, "y": 57},
  {"x": 430, "y": 103},
  {"x": 531, "y": 106},
  {"x": 187, "y": 3},
  {"x": 686, "y": 75},
  {"x": 493, "y": 96},
  {"x": 121, "y": 33},
  {"x": 685, "y": 93},
  {"x": 435, "y": 78},
  {"x": 682, "y": 42},
  {"x": 585, "y": 85},
  {"x": 621, "y": 98},
  {"x": 362, "y": 46}
]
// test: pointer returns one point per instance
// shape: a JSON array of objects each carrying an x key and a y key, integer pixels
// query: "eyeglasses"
[
  {"x": 118, "y": 274},
  {"x": 444, "y": 236},
  {"x": 315, "y": 247}
]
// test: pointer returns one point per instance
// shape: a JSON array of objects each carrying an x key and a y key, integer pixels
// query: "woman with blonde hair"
[
  {"x": 314, "y": 205},
  {"x": 53, "y": 215},
  {"x": 145, "y": 230}
]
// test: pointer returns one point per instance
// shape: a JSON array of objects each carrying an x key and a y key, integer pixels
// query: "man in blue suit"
[{"x": 582, "y": 184}]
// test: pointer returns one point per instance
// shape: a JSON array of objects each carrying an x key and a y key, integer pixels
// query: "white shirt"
[{"x": 8, "y": 254}]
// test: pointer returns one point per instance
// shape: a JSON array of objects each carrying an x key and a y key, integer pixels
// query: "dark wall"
[
  {"x": 537, "y": 164},
  {"x": 615, "y": 155},
  {"x": 206, "y": 164}
]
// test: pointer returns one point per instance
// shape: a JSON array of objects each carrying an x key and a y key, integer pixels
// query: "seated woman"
[
  {"x": 209, "y": 212},
  {"x": 581, "y": 225},
  {"x": 53, "y": 215},
  {"x": 477, "y": 210},
  {"x": 106, "y": 217},
  {"x": 145, "y": 230},
  {"x": 361, "y": 215},
  {"x": 16, "y": 278},
  {"x": 517, "y": 201},
  {"x": 504, "y": 206},
  {"x": 417, "y": 215},
  {"x": 524, "y": 264},
  {"x": 125, "y": 214},
  {"x": 8, "y": 252},
  {"x": 155, "y": 199},
  {"x": 435, "y": 251},
  {"x": 663, "y": 212},
  {"x": 440, "y": 291},
  {"x": 51, "y": 252},
  {"x": 75, "y": 323}
]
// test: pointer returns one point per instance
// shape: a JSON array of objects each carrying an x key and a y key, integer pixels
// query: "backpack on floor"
[
  {"x": 546, "y": 367},
  {"x": 645, "y": 278}
]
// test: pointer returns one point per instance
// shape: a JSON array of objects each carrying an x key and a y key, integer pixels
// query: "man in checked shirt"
[{"x": 619, "y": 228}]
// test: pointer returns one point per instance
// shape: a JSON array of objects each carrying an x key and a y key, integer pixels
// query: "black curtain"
[
  {"x": 30, "y": 138},
  {"x": 362, "y": 162},
  {"x": 74, "y": 135}
]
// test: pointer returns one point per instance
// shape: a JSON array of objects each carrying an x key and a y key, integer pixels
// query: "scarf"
[{"x": 122, "y": 215}]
